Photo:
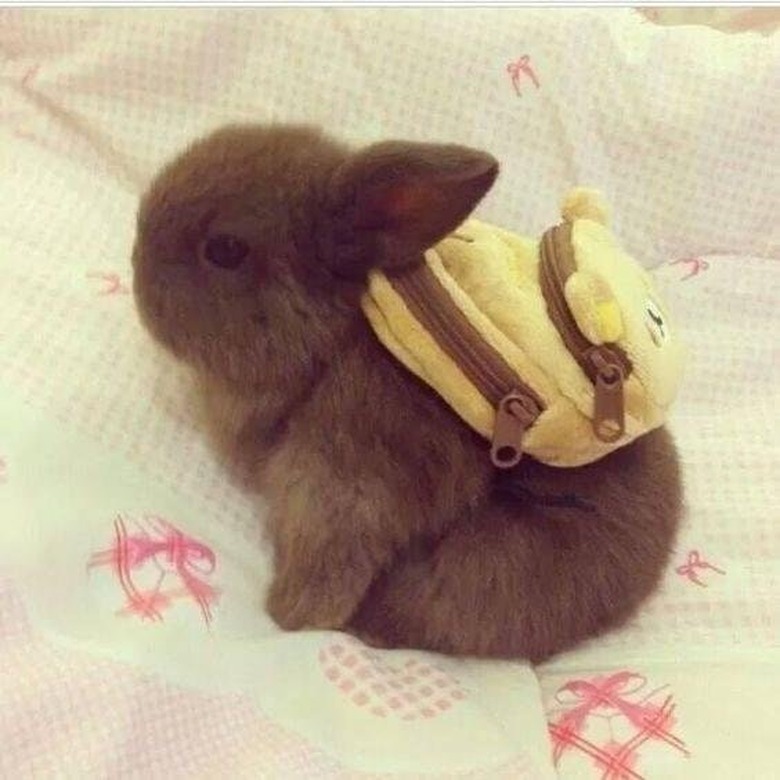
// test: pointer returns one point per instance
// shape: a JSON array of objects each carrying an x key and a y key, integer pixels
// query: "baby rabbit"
[{"x": 386, "y": 516}]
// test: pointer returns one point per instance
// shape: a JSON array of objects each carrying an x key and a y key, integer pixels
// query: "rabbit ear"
[{"x": 414, "y": 193}]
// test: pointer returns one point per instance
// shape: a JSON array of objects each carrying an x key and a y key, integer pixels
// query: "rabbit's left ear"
[{"x": 414, "y": 193}]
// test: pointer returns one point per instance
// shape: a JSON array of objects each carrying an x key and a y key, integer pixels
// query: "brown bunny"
[{"x": 386, "y": 516}]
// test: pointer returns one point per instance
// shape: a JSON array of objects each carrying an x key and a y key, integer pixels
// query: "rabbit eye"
[{"x": 225, "y": 250}]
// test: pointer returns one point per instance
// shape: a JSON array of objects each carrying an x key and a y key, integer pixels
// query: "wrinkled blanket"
[{"x": 133, "y": 641}]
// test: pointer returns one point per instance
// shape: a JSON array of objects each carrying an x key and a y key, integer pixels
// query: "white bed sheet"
[{"x": 115, "y": 662}]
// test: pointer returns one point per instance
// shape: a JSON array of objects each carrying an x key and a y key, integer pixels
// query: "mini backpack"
[{"x": 559, "y": 348}]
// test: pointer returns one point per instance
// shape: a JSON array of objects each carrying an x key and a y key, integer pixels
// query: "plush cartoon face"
[{"x": 615, "y": 300}]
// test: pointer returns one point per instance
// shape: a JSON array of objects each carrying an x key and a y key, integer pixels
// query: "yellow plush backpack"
[{"x": 559, "y": 348}]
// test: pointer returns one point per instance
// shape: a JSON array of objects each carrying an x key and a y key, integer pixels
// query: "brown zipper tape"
[
  {"x": 517, "y": 405},
  {"x": 605, "y": 365}
]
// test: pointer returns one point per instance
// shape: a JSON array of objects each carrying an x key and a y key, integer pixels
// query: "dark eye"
[
  {"x": 225, "y": 250},
  {"x": 656, "y": 318}
]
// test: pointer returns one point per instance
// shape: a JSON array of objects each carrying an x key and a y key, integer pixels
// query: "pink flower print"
[
  {"x": 693, "y": 563},
  {"x": 171, "y": 565}
]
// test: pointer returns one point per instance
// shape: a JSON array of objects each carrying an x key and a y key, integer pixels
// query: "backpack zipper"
[
  {"x": 517, "y": 405},
  {"x": 605, "y": 365}
]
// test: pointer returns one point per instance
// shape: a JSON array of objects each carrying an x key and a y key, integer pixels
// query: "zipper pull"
[
  {"x": 515, "y": 414},
  {"x": 609, "y": 421}
]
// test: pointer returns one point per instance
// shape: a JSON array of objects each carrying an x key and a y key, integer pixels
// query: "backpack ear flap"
[
  {"x": 414, "y": 194},
  {"x": 585, "y": 203},
  {"x": 594, "y": 307}
]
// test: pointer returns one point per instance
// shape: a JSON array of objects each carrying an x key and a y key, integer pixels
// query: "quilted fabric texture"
[{"x": 132, "y": 571}]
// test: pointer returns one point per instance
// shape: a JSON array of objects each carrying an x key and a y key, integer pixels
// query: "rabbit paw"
[{"x": 308, "y": 603}]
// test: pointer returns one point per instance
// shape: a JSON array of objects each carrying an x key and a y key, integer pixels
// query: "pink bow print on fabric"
[
  {"x": 112, "y": 284},
  {"x": 693, "y": 563},
  {"x": 172, "y": 565},
  {"x": 519, "y": 68},
  {"x": 610, "y": 697},
  {"x": 694, "y": 265}
]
